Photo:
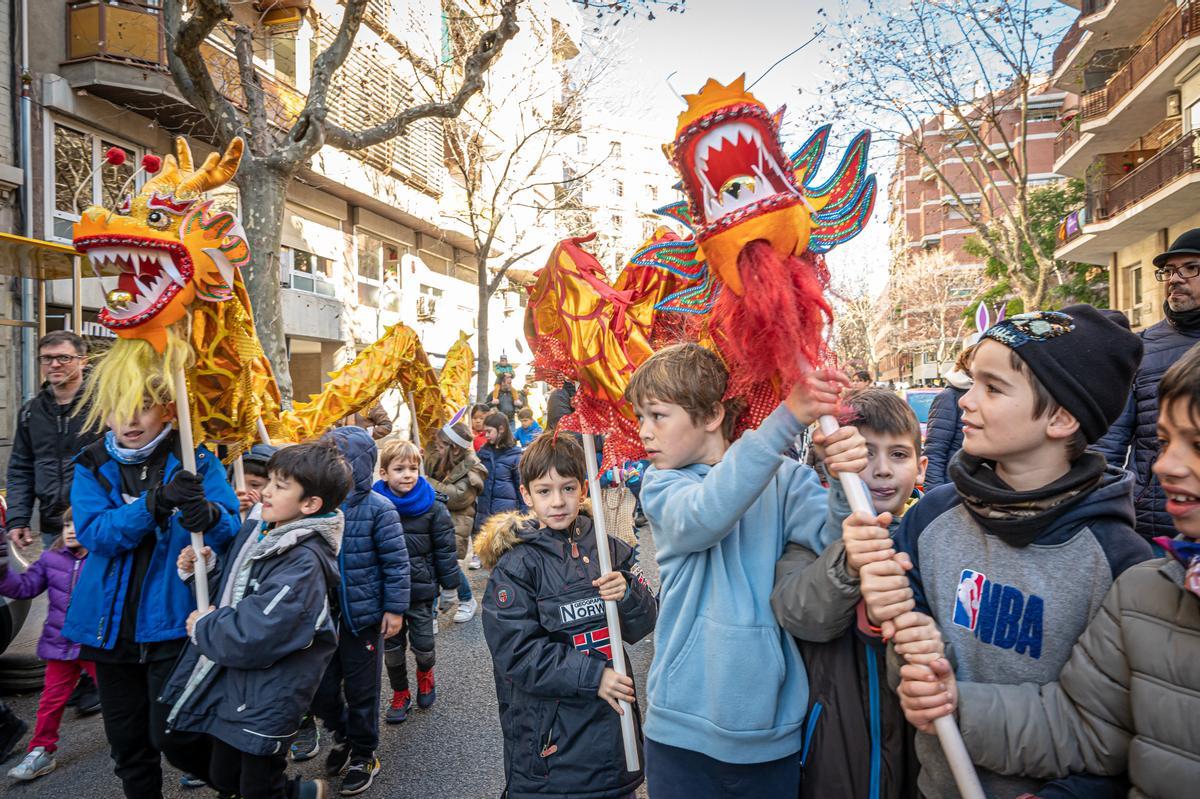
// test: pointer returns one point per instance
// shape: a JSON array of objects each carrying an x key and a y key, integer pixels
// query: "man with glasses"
[
  {"x": 49, "y": 435},
  {"x": 1132, "y": 441}
]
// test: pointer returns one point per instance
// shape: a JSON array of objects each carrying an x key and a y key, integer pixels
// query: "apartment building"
[
  {"x": 1133, "y": 138},
  {"x": 370, "y": 238},
  {"x": 929, "y": 213}
]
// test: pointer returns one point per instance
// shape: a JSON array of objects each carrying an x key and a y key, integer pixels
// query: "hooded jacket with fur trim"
[{"x": 545, "y": 625}]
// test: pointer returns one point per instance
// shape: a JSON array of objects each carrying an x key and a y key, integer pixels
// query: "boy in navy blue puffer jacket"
[{"x": 371, "y": 602}]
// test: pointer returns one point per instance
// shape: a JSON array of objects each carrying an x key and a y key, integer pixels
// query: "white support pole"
[
  {"x": 187, "y": 446},
  {"x": 628, "y": 733},
  {"x": 239, "y": 477},
  {"x": 947, "y": 731},
  {"x": 262, "y": 432}
]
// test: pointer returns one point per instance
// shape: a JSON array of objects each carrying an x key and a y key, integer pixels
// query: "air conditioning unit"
[
  {"x": 1174, "y": 104},
  {"x": 426, "y": 308}
]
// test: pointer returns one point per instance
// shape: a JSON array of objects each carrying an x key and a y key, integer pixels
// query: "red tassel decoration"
[{"x": 775, "y": 331}]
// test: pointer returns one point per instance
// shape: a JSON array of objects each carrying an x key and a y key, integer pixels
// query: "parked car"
[{"x": 920, "y": 400}]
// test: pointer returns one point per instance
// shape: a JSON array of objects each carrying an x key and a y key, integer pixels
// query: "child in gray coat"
[{"x": 255, "y": 661}]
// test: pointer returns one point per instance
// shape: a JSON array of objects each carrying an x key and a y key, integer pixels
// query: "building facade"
[
  {"x": 370, "y": 238},
  {"x": 1133, "y": 138}
]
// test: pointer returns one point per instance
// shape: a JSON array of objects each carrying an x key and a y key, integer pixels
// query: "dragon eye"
[{"x": 157, "y": 219}]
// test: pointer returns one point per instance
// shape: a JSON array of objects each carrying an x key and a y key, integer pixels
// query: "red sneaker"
[
  {"x": 426, "y": 692},
  {"x": 398, "y": 712}
]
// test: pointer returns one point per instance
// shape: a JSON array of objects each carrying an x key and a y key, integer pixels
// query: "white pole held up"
[
  {"x": 187, "y": 446},
  {"x": 628, "y": 733}
]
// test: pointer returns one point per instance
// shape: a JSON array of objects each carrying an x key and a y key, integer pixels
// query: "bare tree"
[
  {"x": 956, "y": 86},
  {"x": 510, "y": 158},
  {"x": 280, "y": 145},
  {"x": 856, "y": 323},
  {"x": 927, "y": 298}
]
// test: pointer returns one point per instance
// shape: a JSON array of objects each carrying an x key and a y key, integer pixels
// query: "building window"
[
  {"x": 309, "y": 272},
  {"x": 1193, "y": 116},
  {"x": 618, "y": 188},
  {"x": 1133, "y": 289},
  {"x": 377, "y": 272},
  {"x": 653, "y": 192},
  {"x": 276, "y": 54},
  {"x": 77, "y": 153}
]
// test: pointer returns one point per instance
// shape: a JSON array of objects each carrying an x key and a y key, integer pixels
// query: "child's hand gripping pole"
[
  {"x": 628, "y": 734},
  {"x": 187, "y": 446},
  {"x": 947, "y": 732}
]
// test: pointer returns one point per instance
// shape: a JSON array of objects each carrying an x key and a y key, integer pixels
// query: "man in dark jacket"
[
  {"x": 371, "y": 602},
  {"x": 49, "y": 435},
  {"x": 560, "y": 404},
  {"x": 1132, "y": 441}
]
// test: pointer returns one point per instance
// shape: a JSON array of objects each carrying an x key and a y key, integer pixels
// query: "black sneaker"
[
  {"x": 360, "y": 775},
  {"x": 314, "y": 789},
  {"x": 307, "y": 742},
  {"x": 89, "y": 700},
  {"x": 337, "y": 759},
  {"x": 12, "y": 730}
]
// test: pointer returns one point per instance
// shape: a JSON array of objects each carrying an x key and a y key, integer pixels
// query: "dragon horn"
[
  {"x": 183, "y": 154},
  {"x": 217, "y": 170},
  {"x": 166, "y": 179}
]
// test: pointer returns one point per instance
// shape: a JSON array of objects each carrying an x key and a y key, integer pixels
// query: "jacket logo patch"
[
  {"x": 594, "y": 641},
  {"x": 581, "y": 609},
  {"x": 504, "y": 596},
  {"x": 998, "y": 614}
]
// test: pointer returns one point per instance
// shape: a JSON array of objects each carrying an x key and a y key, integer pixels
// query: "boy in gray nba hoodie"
[{"x": 1013, "y": 557}]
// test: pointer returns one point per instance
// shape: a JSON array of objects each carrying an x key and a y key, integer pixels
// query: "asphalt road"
[{"x": 451, "y": 751}]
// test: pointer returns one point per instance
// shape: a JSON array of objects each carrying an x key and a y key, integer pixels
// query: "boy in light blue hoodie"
[{"x": 727, "y": 690}]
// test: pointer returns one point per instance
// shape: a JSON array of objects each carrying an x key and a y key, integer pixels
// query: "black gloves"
[
  {"x": 184, "y": 487},
  {"x": 184, "y": 492},
  {"x": 198, "y": 515}
]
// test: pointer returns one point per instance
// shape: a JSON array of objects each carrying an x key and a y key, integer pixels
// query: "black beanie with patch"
[{"x": 1085, "y": 357}]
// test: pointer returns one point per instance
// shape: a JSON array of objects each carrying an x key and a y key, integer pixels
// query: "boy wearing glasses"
[
  {"x": 49, "y": 435},
  {"x": 1178, "y": 269}
]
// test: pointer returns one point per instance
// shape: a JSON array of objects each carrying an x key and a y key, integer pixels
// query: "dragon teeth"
[{"x": 134, "y": 259}]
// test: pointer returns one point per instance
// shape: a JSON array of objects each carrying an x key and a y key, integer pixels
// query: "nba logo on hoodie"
[{"x": 967, "y": 598}]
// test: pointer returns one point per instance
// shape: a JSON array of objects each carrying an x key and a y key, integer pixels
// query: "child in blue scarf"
[{"x": 429, "y": 535}]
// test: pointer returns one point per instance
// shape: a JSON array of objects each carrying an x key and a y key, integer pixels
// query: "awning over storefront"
[{"x": 38, "y": 260}]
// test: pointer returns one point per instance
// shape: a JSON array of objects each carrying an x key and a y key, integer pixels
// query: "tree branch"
[
  {"x": 252, "y": 89},
  {"x": 187, "y": 65},
  {"x": 486, "y": 51}
]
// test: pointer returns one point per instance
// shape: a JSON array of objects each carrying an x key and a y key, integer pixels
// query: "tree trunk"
[
  {"x": 263, "y": 193},
  {"x": 483, "y": 372}
]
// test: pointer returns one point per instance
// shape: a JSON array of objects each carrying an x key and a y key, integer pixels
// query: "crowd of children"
[{"x": 799, "y": 649}]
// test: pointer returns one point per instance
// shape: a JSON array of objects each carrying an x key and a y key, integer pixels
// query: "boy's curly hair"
[{"x": 689, "y": 376}]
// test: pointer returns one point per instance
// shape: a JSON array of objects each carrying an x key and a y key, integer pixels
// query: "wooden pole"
[
  {"x": 239, "y": 478},
  {"x": 617, "y": 644},
  {"x": 187, "y": 446},
  {"x": 947, "y": 731},
  {"x": 76, "y": 295}
]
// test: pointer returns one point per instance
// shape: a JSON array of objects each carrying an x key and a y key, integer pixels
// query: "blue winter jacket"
[
  {"x": 373, "y": 560},
  {"x": 112, "y": 529},
  {"x": 502, "y": 490},
  {"x": 1134, "y": 432},
  {"x": 943, "y": 434}
]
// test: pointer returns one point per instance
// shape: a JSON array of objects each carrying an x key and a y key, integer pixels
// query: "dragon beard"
[{"x": 772, "y": 334}]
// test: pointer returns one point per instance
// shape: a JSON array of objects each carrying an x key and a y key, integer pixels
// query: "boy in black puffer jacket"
[
  {"x": 544, "y": 621},
  {"x": 433, "y": 561},
  {"x": 370, "y": 603}
]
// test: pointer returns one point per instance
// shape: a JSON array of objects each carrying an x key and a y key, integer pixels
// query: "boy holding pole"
[{"x": 560, "y": 694}]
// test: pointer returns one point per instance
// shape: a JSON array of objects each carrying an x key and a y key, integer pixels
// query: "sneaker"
[
  {"x": 426, "y": 691},
  {"x": 307, "y": 742},
  {"x": 397, "y": 712},
  {"x": 466, "y": 611},
  {"x": 360, "y": 775},
  {"x": 12, "y": 730},
  {"x": 89, "y": 701},
  {"x": 191, "y": 781},
  {"x": 337, "y": 760},
  {"x": 448, "y": 598},
  {"x": 474, "y": 562},
  {"x": 37, "y": 763},
  {"x": 314, "y": 789}
]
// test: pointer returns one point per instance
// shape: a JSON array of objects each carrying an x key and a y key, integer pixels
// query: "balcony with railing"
[
  {"x": 1064, "y": 48},
  {"x": 1134, "y": 97},
  {"x": 116, "y": 50},
  {"x": 1157, "y": 191}
]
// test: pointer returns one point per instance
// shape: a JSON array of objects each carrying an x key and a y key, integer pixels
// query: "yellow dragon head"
[{"x": 169, "y": 246}]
